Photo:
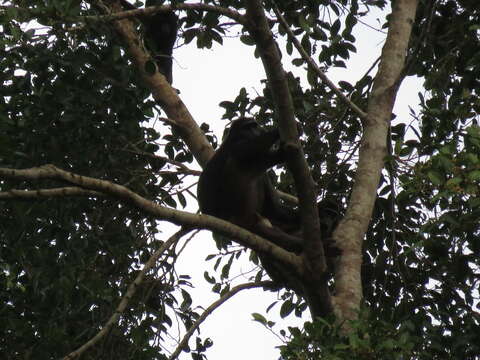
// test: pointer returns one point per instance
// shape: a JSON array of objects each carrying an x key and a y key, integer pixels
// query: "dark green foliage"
[
  {"x": 73, "y": 102},
  {"x": 434, "y": 248},
  {"x": 69, "y": 96},
  {"x": 369, "y": 339},
  {"x": 421, "y": 256}
]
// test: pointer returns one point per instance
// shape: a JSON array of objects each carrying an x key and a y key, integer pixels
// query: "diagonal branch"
[
  {"x": 162, "y": 92},
  {"x": 132, "y": 288},
  {"x": 315, "y": 67},
  {"x": 178, "y": 217},
  {"x": 182, "y": 344}
]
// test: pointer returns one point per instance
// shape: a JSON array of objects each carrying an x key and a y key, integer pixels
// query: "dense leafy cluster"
[
  {"x": 70, "y": 96},
  {"x": 73, "y": 100}
]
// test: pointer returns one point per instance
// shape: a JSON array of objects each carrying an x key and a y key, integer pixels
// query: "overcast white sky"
[{"x": 205, "y": 78}]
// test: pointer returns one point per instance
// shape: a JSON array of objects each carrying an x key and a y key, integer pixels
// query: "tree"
[{"x": 85, "y": 176}]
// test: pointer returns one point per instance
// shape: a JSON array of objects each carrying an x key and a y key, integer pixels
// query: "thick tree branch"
[
  {"x": 132, "y": 288},
  {"x": 316, "y": 68},
  {"x": 314, "y": 257},
  {"x": 183, "y": 343},
  {"x": 152, "y": 10},
  {"x": 178, "y": 217},
  {"x": 161, "y": 90},
  {"x": 352, "y": 228},
  {"x": 47, "y": 193}
]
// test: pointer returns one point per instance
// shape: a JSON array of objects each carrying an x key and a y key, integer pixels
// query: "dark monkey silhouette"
[
  {"x": 160, "y": 34},
  {"x": 234, "y": 185}
]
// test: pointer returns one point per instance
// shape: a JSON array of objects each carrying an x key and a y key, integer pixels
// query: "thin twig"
[
  {"x": 184, "y": 342},
  {"x": 152, "y": 10},
  {"x": 132, "y": 288},
  {"x": 185, "y": 169},
  {"x": 316, "y": 68}
]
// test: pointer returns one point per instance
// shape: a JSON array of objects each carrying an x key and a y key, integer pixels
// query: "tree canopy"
[{"x": 98, "y": 151}]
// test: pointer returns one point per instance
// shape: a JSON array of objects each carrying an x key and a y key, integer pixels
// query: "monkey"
[
  {"x": 160, "y": 35},
  {"x": 234, "y": 185}
]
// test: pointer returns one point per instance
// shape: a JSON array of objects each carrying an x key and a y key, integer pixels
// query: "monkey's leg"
[{"x": 288, "y": 242}]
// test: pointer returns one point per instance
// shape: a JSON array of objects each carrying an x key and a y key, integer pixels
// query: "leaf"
[
  {"x": 271, "y": 306},
  {"x": 189, "y": 35},
  {"x": 345, "y": 85},
  {"x": 216, "y": 36},
  {"x": 286, "y": 308},
  {"x": 187, "y": 300},
  {"x": 303, "y": 23},
  {"x": 435, "y": 177},
  {"x": 225, "y": 271},
  {"x": 454, "y": 181},
  {"x": 210, "y": 279},
  {"x": 247, "y": 40},
  {"x": 335, "y": 27},
  {"x": 298, "y": 61},
  {"x": 319, "y": 34},
  {"x": 474, "y": 175},
  {"x": 225, "y": 290},
  {"x": 289, "y": 47},
  {"x": 182, "y": 200},
  {"x": 259, "y": 318}
]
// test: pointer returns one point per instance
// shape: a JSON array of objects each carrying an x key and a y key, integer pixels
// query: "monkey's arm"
[{"x": 279, "y": 214}]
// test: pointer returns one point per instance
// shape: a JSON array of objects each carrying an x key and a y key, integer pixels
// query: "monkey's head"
[{"x": 244, "y": 129}]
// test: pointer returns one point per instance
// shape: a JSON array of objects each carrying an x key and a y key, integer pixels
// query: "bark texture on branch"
[{"x": 351, "y": 230}]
